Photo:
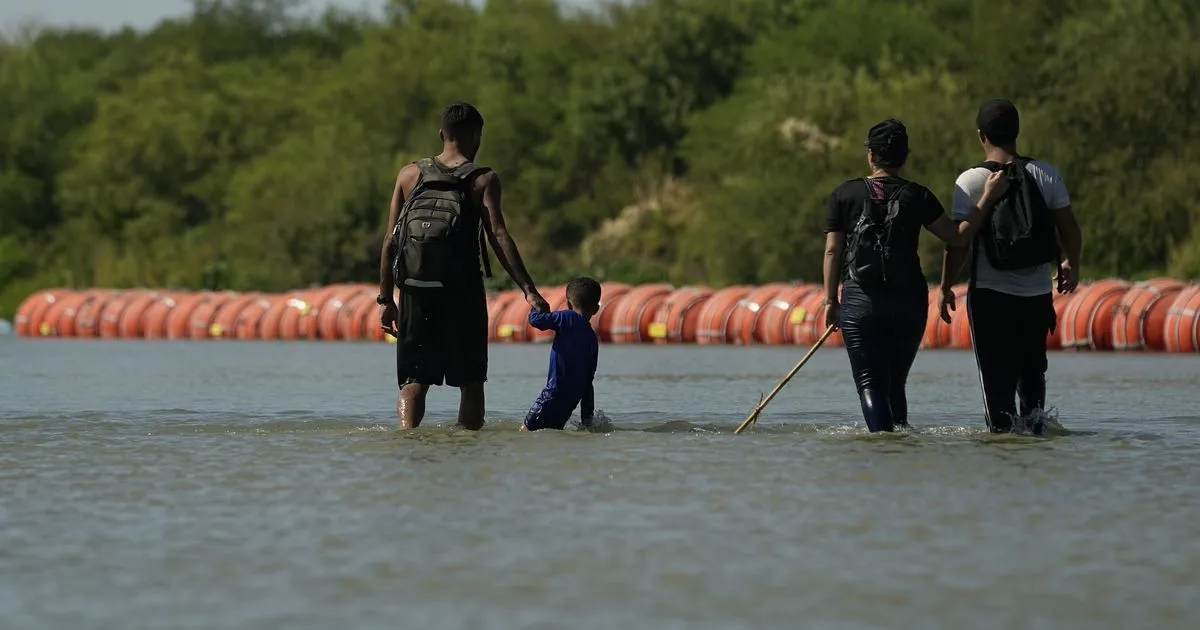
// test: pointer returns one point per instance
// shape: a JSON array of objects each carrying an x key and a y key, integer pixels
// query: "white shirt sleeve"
[
  {"x": 1054, "y": 190},
  {"x": 968, "y": 188}
]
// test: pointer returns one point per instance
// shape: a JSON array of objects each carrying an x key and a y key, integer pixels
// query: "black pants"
[
  {"x": 1009, "y": 334},
  {"x": 882, "y": 329}
]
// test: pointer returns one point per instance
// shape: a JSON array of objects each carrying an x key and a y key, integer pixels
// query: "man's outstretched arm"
[{"x": 502, "y": 242}]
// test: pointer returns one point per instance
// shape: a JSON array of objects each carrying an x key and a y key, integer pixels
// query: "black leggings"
[{"x": 883, "y": 329}]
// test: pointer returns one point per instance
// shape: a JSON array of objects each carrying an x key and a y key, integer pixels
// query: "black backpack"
[
  {"x": 1020, "y": 231},
  {"x": 869, "y": 259},
  {"x": 431, "y": 241}
]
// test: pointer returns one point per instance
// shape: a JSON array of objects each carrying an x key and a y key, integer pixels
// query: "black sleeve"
[
  {"x": 834, "y": 217},
  {"x": 930, "y": 207}
]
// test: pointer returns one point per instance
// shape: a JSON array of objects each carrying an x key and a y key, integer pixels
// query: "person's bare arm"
[
  {"x": 953, "y": 262},
  {"x": 955, "y": 257},
  {"x": 498, "y": 235},
  {"x": 835, "y": 243},
  {"x": 958, "y": 234},
  {"x": 386, "y": 282},
  {"x": 1069, "y": 235}
]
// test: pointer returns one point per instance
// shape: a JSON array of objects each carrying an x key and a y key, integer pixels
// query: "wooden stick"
[{"x": 757, "y": 410}]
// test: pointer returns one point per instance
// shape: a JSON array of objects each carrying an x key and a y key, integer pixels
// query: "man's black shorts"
[{"x": 442, "y": 337}]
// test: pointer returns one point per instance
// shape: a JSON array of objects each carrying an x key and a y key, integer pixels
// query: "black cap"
[
  {"x": 998, "y": 120},
  {"x": 888, "y": 137}
]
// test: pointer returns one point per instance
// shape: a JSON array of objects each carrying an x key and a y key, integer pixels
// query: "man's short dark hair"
[
  {"x": 459, "y": 119},
  {"x": 584, "y": 293},
  {"x": 999, "y": 122}
]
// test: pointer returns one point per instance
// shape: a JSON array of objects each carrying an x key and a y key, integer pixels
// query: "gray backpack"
[{"x": 432, "y": 240}]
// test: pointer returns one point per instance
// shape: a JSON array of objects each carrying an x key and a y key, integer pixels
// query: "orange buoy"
[
  {"x": 179, "y": 320},
  {"x": 635, "y": 313},
  {"x": 306, "y": 324},
  {"x": 713, "y": 320},
  {"x": 772, "y": 326},
  {"x": 295, "y": 307},
  {"x": 154, "y": 320},
  {"x": 249, "y": 318},
  {"x": 330, "y": 311},
  {"x": 37, "y": 314},
  {"x": 322, "y": 299},
  {"x": 60, "y": 316},
  {"x": 678, "y": 315},
  {"x": 806, "y": 321},
  {"x": 350, "y": 317},
  {"x": 272, "y": 320},
  {"x": 611, "y": 294},
  {"x": 110, "y": 316},
  {"x": 34, "y": 307},
  {"x": 224, "y": 318},
  {"x": 1089, "y": 315},
  {"x": 496, "y": 305},
  {"x": 1054, "y": 338},
  {"x": 129, "y": 320},
  {"x": 1142, "y": 313},
  {"x": 68, "y": 322},
  {"x": 1181, "y": 327},
  {"x": 745, "y": 313},
  {"x": 87, "y": 318},
  {"x": 201, "y": 319},
  {"x": 556, "y": 297}
]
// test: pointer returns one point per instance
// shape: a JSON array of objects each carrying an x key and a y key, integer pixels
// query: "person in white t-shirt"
[{"x": 1011, "y": 311}]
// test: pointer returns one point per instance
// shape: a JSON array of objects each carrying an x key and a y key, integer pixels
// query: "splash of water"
[
  {"x": 1040, "y": 422},
  {"x": 600, "y": 423}
]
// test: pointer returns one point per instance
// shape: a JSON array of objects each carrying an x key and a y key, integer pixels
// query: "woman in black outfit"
[{"x": 871, "y": 234}]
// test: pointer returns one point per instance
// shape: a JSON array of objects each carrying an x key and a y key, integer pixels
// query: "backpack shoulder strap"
[
  {"x": 899, "y": 191},
  {"x": 429, "y": 174},
  {"x": 990, "y": 165},
  {"x": 432, "y": 172},
  {"x": 466, "y": 173},
  {"x": 893, "y": 203},
  {"x": 467, "y": 170}
]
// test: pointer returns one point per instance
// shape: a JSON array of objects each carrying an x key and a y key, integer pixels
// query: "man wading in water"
[
  {"x": 441, "y": 209},
  {"x": 1010, "y": 301}
]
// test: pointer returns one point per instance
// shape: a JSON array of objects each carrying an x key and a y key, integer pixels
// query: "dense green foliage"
[{"x": 687, "y": 140}]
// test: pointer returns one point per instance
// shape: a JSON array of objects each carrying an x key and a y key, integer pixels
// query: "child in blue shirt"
[{"x": 572, "y": 359}]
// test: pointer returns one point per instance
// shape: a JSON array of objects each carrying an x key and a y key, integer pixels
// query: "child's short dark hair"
[{"x": 584, "y": 293}]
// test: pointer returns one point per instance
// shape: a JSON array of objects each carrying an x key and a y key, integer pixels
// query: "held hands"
[
  {"x": 536, "y": 301},
  {"x": 948, "y": 300},
  {"x": 994, "y": 188}
]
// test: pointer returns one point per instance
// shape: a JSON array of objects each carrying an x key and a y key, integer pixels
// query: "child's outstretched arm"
[{"x": 543, "y": 321}]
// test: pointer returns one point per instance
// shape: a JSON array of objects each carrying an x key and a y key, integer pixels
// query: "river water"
[{"x": 262, "y": 485}]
